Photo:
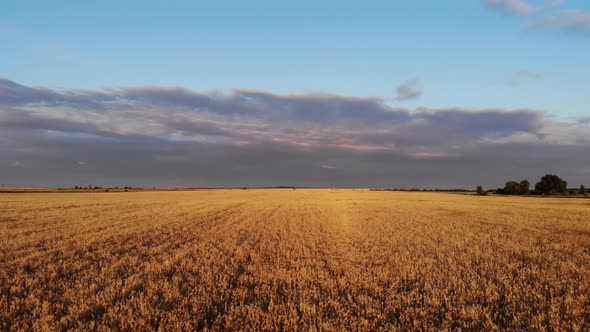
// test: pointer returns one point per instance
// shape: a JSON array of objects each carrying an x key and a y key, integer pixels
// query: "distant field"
[{"x": 292, "y": 259}]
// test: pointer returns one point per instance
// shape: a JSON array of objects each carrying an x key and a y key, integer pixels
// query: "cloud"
[
  {"x": 574, "y": 21},
  {"x": 410, "y": 89},
  {"x": 252, "y": 117},
  {"x": 527, "y": 73},
  {"x": 156, "y": 136},
  {"x": 571, "y": 20},
  {"x": 14, "y": 94},
  {"x": 520, "y": 7}
]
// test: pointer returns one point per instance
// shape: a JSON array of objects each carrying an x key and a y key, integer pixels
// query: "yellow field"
[{"x": 292, "y": 259}]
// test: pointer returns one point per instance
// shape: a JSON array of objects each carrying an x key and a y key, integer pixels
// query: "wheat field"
[{"x": 281, "y": 259}]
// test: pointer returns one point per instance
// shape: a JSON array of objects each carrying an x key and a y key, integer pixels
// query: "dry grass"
[{"x": 293, "y": 259}]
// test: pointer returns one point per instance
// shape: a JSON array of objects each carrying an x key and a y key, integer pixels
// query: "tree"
[
  {"x": 516, "y": 188},
  {"x": 551, "y": 184},
  {"x": 479, "y": 190},
  {"x": 511, "y": 188},
  {"x": 582, "y": 190},
  {"x": 525, "y": 187}
]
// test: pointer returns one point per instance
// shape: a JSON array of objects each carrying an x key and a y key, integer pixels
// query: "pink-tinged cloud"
[
  {"x": 521, "y": 7},
  {"x": 256, "y": 137},
  {"x": 254, "y": 117},
  {"x": 429, "y": 155}
]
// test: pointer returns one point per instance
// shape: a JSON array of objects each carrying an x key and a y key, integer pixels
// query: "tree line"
[{"x": 549, "y": 184}]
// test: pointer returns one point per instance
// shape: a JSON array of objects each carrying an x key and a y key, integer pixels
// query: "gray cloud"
[
  {"x": 179, "y": 137},
  {"x": 410, "y": 89},
  {"x": 183, "y": 165}
]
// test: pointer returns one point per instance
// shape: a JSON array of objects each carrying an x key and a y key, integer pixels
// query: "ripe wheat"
[{"x": 293, "y": 260}]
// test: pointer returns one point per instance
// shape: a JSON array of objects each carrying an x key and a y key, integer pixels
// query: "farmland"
[{"x": 292, "y": 259}]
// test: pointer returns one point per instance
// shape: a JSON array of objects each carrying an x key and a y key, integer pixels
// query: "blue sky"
[{"x": 466, "y": 55}]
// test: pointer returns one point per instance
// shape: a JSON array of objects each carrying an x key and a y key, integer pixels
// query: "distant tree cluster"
[
  {"x": 87, "y": 187},
  {"x": 549, "y": 184},
  {"x": 90, "y": 187},
  {"x": 516, "y": 188}
]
